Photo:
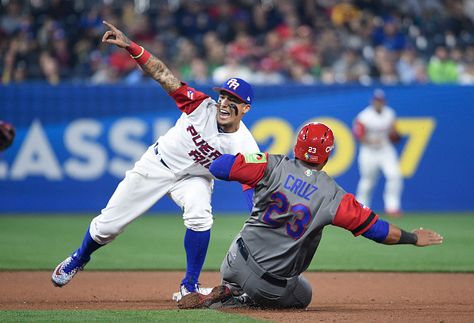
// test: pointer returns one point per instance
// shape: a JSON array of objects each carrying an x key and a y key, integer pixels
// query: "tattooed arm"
[{"x": 152, "y": 66}]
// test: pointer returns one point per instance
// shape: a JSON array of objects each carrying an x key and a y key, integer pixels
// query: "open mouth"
[{"x": 223, "y": 113}]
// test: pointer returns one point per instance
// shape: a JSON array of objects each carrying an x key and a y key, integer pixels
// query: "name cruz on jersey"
[
  {"x": 299, "y": 187},
  {"x": 346, "y": 212},
  {"x": 295, "y": 211}
]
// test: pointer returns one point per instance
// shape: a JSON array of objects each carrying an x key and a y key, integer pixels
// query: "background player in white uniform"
[
  {"x": 177, "y": 165},
  {"x": 294, "y": 200},
  {"x": 374, "y": 127}
]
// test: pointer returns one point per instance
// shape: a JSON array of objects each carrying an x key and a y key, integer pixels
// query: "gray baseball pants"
[{"x": 264, "y": 288}]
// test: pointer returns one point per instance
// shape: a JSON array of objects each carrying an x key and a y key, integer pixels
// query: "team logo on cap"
[{"x": 233, "y": 84}]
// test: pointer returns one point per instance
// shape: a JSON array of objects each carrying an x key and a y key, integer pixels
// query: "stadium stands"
[{"x": 266, "y": 42}]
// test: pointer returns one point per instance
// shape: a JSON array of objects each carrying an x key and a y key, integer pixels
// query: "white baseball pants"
[
  {"x": 142, "y": 187},
  {"x": 371, "y": 162}
]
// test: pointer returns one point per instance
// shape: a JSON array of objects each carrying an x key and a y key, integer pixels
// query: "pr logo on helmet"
[{"x": 329, "y": 148}]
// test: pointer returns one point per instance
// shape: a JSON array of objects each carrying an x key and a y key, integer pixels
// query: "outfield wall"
[{"x": 74, "y": 143}]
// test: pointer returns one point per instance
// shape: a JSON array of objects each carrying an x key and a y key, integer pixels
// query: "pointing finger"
[{"x": 110, "y": 25}]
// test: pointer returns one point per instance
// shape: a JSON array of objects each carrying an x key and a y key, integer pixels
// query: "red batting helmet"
[{"x": 315, "y": 143}]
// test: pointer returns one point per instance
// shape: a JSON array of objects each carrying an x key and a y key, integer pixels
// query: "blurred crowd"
[{"x": 264, "y": 42}]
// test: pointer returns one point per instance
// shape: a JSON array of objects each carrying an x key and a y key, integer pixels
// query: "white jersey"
[
  {"x": 195, "y": 141},
  {"x": 375, "y": 127},
  {"x": 378, "y": 154}
]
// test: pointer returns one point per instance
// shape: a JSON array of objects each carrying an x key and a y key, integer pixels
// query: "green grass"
[
  {"x": 340, "y": 251},
  {"x": 122, "y": 316},
  {"x": 155, "y": 242}
]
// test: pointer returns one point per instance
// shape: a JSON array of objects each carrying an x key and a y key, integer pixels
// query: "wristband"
[
  {"x": 138, "y": 53},
  {"x": 407, "y": 238}
]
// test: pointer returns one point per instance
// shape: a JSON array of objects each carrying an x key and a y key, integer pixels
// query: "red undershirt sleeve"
[
  {"x": 187, "y": 99},
  {"x": 358, "y": 129},
  {"x": 353, "y": 216},
  {"x": 247, "y": 173}
]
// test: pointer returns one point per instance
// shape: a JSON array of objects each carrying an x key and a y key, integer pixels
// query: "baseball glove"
[
  {"x": 7, "y": 134},
  {"x": 395, "y": 136}
]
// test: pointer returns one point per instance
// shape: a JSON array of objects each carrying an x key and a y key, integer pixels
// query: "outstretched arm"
[
  {"x": 246, "y": 169},
  {"x": 387, "y": 233},
  {"x": 235, "y": 168},
  {"x": 361, "y": 220},
  {"x": 419, "y": 237},
  {"x": 149, "y": 63}
]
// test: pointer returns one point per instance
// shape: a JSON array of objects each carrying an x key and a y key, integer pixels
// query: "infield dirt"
[{"x": 337, "y": 297}]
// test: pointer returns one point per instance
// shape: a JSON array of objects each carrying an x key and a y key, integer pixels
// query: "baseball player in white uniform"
[
  {"x": 374, "y": 127},
  {"x": 177, "y": 165}
]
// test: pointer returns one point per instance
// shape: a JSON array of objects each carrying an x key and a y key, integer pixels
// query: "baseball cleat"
[
  {"x": 198, "y": 300},
  {"x": 184, "y": 291},
  {"x": 234, "y": 302},
  {"x": 66, "y": 270}
]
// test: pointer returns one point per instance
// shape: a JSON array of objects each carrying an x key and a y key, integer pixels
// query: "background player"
[
  {"x": 374, "y": 127},
  {"x": 177, "y": 165},
  {"x": 294, "y": 200}
]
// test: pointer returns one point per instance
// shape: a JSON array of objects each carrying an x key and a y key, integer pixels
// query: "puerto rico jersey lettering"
[{"x": 195, "y": 141}]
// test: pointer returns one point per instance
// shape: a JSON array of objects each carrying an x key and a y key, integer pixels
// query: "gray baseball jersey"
[{"x": 293, "y": 204}]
